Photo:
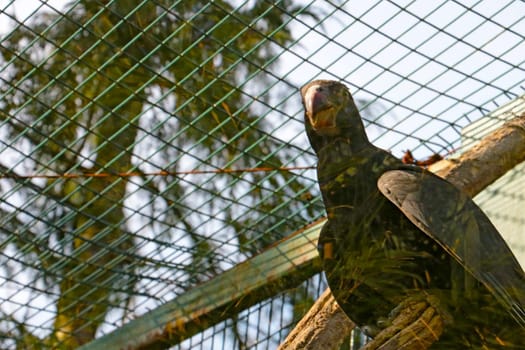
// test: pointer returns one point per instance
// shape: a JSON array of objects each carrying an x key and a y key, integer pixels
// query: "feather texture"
[{"x": 395, "y": 231}]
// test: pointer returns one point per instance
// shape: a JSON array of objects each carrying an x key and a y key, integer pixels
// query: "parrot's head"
[
  {"x": 330, "y": 112},
  {"x": 322, "y": 100}
]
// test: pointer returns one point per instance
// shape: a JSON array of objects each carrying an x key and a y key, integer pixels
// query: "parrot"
[{"x": 396, "y": 232}]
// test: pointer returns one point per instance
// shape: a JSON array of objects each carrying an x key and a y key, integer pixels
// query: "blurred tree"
[{"x": 81, "y": 93}]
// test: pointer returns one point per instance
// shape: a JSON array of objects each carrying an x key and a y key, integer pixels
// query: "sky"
[
  {"x": 429, "y": 64},
  {"x": 23, "y": 9}
]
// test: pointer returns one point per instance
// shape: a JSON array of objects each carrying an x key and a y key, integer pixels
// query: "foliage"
[{"x": 113, "y": 87}]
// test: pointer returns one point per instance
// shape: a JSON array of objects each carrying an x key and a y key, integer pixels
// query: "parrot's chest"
[
  {"x": 370, "y": 235},
  {"x": 352, "y": 199}
]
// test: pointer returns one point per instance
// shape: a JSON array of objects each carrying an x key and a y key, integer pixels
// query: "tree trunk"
[{"x": 97, "y": 269}]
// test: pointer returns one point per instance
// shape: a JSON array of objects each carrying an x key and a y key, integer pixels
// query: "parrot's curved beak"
[{"x": 320, "y": 112}]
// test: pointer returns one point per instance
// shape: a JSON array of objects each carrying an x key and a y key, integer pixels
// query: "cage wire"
[{"x": 149, "y": 146}]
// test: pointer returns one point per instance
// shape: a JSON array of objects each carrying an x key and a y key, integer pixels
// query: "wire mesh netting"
[{"x": 149, "y": 146}]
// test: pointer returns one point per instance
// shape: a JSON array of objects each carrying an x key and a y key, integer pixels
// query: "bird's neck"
[
  {"x": 349, "y": 142},
  {"x": 339, "y": 154}
]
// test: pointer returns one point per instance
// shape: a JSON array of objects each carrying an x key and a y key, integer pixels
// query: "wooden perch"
[
  {"x": 472, "y": 171},
  {"x": 488, "y": 160},
  {"x": 280, "y": 267}
]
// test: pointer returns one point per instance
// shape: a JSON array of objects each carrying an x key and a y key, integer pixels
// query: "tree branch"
[{"x": 325, "y": 326}]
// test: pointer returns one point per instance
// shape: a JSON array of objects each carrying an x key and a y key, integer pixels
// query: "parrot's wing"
[{"x": 455, "y": 222}]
